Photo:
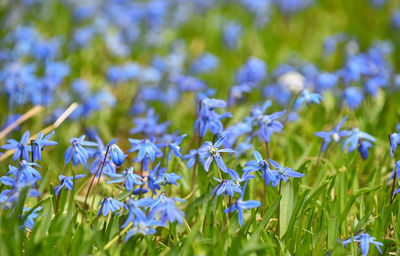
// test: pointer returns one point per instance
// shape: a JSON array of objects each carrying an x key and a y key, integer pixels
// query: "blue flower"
[
  {"x": 99, "y": 156},
  {"x": 363, "y": 148},
  {"x": 129, "y": 177},
  {"x": 355, "y": 138},
  {"x": 395, "y": 171},
  {"x": 39, "y": 144},
  {"x": 146, "y": 148},
  {"x": 334, "y": 135},
  {"x": 21, "y": 148},
  {"x": 173, "y": 147},
  {"x": 109, "y": 205},
  {"x": 77, "y": 151},
  {"x": 364, "y": 239},
  {"x": 394, "y": 142},
  {"x": 165, "y": 178},
  {"x": 231, "y": 33},
  {"x": 252, "y": 72},
  {"x": 353, "y": 97},
  {"x": 236, "y": 93},
  {"x": 190, "y": 84},
  {"x": 283, "y": 173},
  {"x": 226, "y": 187},
  {"x": 239, "y": 205},
  {"x": 259, "y": 165},
  {"x": 207, "y": 62},
  {"x": 191, "y": 158},
  {"x": 23, "y": 175},
  {"x": 117, "y": 155},
  {"x": 66, "y": 182},
  {"x": 308, "y": 98},
  {"x": 267, "y": 124},
  {"x": 149, "y": 125},
  {"x": 167, "y": 209},
  {"x": 209, "y": 152},
  {"x": 143, "y": 226},
  {"x": 207, "y": 118},
  {"x": 30, "y": 222}
]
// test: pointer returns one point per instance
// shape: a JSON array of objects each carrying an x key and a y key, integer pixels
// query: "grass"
[{"x": 335, "y": 199}]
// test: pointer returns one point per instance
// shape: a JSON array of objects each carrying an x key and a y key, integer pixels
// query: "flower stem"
[
  {"x": 100, "y": 168},
  {"x": 393, "y": 196}
]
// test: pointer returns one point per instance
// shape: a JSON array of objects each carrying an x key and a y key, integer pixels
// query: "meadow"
[{"x": 199, "y": 127}]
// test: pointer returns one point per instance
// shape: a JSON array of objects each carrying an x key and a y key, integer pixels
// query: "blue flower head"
[
  {"x": 205, "y": 63},
  {"x": 129, "y": 177},
  {"x": 364, "y": 239},
  {"x": 353, "y": 97},
  {"x": 226, "y": 187},
  {"x": 252, "y": 72},
  {"x": 167, "y": 209},
  {"x": 191, "y": 158},
  {"x": 232, "y": 33},
  {"x": 363, "y": 148},
  {"x": 173, "y": 147},
  {"x": 24, "y": 175},
  {"x": 66, "y": 182},
  {"x": 77, "y": 151},
  {"x": 39, "y": 144},
  {"x": 208, "y": 118},
  {"x": 259, "y": 165},
  {"x": 355, "y": 137},
  {"x": 109, "y": 205},
  {"x": 21, "y": 148},
  {"x": 308, "y": 98},
  {"x": 209, "y": 152},
  {"x": 241, "y": 205},
  {"x": 117, "y": 155},
  {"x": 283, "y": 173},
  {"x": 30, "y": 220},
  {"x": 146, "y": 148},
  {"x": 335, "y": 135},
  {"x": 394, "y": 139}
]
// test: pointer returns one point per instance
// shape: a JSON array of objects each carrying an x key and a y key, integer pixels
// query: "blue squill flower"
[
  {"x": 364, "y": 239},
  {"x": 307, "y": 97},
  {"x": 66, "y": 182},
  {"x": 353, "y": 96},
  {"x": 165, "y": 178},
  {"x": 135, "y": 211},
  {"x": 98, "y": 156},
  {"x": 21, "y": 148},
  {"x": 30, "y": 220},
  {"x": 117, "y": 155},
  {"x": 109, "y": 205},
  {"x": 231, "y": 33},
  {"x": 77, "y": 151},
  {"x": 252, "y": 72},
  {"x": 167, "y": 209},
  {"x": 355, "y": 138},
  {"x": 39, "y": 144},
  {"x": 146, "y": 148},
  {"x": 334, "y": 135},
  {"x": 144, "y": 226},
  {"x": 190, "y": 84},
  {"x": 266, "y": 124},
  {"x": 283, "y": 173},
  {"x": 395, "y": 171},
  {"x": 149, "y": 125},
  {"x": 207, "y": 118},
  {"x": 241, "y": 205},
  {"x": 191, "y": 158},
  {"x": 24, "y": 174},
  {"x": 363, "y": 148},
  {"x": 236, "y": 93},
  {"x": 226, "y": 187},
  {"x": 259, "y": 165},
  {"x": 394, "y": 142},
  {"x": 129, "y": 177},
  {"x": 205, "y": 63},
  {"x": 209, "y": 152},
  {"x": 173, "y": 147}
]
